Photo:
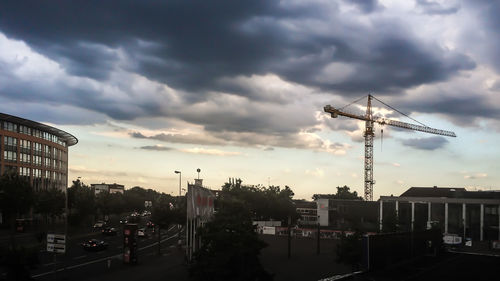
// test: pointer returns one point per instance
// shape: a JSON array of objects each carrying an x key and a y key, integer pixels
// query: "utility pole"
[
  {"x": 317, "y": 244},
  {"x": 289, "y": 236}
]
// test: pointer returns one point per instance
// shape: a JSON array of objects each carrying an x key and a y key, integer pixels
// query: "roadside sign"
[
  {"x": 56, "y": 248},
  {"x": 56, "y": 238},
  {"x": 56, "y": 243}
]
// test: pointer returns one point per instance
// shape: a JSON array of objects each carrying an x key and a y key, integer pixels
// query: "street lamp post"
[
  {"x": 180, "y": 194},
  {"x": 180, "y": 176}
]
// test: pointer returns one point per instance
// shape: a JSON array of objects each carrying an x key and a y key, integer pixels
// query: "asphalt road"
[{"x": 79, "y": 264}]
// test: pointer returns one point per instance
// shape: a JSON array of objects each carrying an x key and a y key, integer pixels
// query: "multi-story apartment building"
[{"x": 36, "y": 151}]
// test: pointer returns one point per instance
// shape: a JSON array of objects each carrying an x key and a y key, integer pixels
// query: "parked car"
[
  {"x": 150, "y": 224},
  {"x": 124, "y": 220},
  {"x": 94, "y": 245},
  {"x": 109, "y": 231},
  {"x": 141, "y": 232}
]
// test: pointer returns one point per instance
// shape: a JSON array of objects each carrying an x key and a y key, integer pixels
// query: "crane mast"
[{"x": 369, "y": 136}]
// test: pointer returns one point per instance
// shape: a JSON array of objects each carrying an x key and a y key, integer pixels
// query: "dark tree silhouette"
[
  {"x": 343, "y": 192},
  {"x": 230, "y": 246}
]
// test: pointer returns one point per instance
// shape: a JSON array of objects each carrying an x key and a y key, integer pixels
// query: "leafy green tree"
[
  {"x": 134, "y": 198},
  {"x": 163, "y": 215},
  {"x": 16, "y": 196},
  {"x": 116, "y": 203},
  {"x": 272, "y": 203},
  {"x": 106, "y": 203},
  {"x": 81, "y": 202},
  {"x": 343, "y": 192},
  {"x": 230, "y": 246},
  {"x": 163, "y": 211},
  {"x": 50, "y": 202}
]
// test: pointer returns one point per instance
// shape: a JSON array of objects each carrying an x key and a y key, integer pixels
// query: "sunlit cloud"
[{"x": 205, "y": 151}]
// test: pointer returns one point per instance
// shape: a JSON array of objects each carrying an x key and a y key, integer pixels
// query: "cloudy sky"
[{"x": 237, "y": 88}]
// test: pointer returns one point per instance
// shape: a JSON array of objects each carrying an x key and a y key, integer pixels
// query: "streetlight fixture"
[{"x": 180, "y": 176}]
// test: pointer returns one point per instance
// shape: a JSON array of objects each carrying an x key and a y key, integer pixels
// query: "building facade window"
[
  {"x": 47, "y": 162},
  {"x": 9, "y": 126},
  {"x": 24, "y": 171},
  {"x": 25, "y": 146},
  {"x": 37, "y": 160},
  {"x": 25, "y": 158},
  {"x": 10, "y": 142},
  {"x": 10, "y": 156},
  {"x": 37, "y": 148},
  {"x": 25, "y": 130},
  {"x": 489, "y": 210},
  {"x": 37, "y": 133}
]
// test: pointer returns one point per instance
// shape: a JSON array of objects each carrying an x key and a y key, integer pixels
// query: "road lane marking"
[
  {"x": 80, "y": 257},
  {"x": 99, "y": 260}
]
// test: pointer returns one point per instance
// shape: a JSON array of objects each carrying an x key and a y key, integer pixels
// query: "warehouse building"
[{"x": 468, "y": 214}]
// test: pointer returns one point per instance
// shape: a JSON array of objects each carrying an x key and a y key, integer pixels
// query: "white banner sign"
[{"x": 200, "y": 202}]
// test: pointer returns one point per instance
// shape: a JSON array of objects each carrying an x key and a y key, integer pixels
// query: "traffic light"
[{"x": 130, "y": 243}]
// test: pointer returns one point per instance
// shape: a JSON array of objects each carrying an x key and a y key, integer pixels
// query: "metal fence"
[{"x": 383, "y": 250}]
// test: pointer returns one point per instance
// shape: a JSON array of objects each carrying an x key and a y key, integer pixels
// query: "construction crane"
[{"x": 369, "y": 134}]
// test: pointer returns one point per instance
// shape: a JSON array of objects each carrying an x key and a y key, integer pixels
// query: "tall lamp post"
[
  {"x": 180, "y": 176},
  {"x": 180, "y": 194}
]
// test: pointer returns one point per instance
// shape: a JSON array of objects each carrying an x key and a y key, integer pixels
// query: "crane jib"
[{"x": 335, "y": 112}]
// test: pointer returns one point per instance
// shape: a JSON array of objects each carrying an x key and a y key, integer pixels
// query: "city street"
[{"x": 79, "y": 263}]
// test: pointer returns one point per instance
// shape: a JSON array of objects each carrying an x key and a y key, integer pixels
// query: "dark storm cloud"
[
  {"x": 486, "y": 41},
  {"x": 367, "y": 6},
  {"x": 462, "y": 108},
  {"x": 435, "y": 8},
  {"x": 156, "y": 148},
  {"x": 431, "y": 143},
  {"x": 191, "y": 44}
]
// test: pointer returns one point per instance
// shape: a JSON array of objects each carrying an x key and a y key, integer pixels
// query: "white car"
[
  {"x": 99, "y": 224},
  {"x": 141, "y": 232}
]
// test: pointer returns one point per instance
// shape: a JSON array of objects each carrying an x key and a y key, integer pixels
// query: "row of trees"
[
  {"x": 83, "y": 203},
  {"x": 263, "y": 203},
  {"x": 17, "y": 198},
  {"x": 343, "y": 192}
]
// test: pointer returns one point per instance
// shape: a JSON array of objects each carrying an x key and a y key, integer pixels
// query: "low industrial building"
[
  {"x": 469, "y": 214},
  {"x": 308, "y": 212},
  {"x": 348, "y": 215}
]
